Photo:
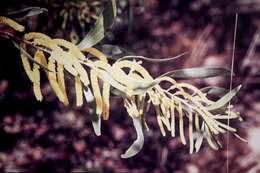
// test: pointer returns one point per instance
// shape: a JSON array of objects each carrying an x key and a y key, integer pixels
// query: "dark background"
[{"x": 48, "y": 136}]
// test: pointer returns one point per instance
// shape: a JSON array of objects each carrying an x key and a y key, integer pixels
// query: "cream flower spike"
[
  {"x": 16, "y": 26},
  {"x": 180, "y": 106}
]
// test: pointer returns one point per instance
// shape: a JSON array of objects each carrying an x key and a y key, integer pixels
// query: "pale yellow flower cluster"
[{"x": 128, "y": 78}]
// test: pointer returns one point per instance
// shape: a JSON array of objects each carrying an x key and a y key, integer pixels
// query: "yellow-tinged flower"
[
  {"x": 96, "y": 91},
  {"x": 61, "y": 82},
  {"x": 181, "y": 102},
  {"x": 36, "y": 75},
  {"x": 16, "y": 26},
  {"x": 106, "y": 96},
  {"x": 79, "y": 91}
]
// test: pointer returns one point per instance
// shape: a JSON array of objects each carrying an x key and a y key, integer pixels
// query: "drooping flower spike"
[{"x": 181, "y": 105}]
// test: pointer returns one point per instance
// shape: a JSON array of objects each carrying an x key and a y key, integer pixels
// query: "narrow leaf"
[
  {"x": 225, "y": 99},
  {"x": 116, "y": 92},
  {"x": 199, "y": 72},
  {"x": 97, "y": 33},
  {"x": 152, "y": 59},
  {"x": 113, "y": 52},
  {"x": 144, "y": 121},
  {"x": 95, "y": 119},
  {"x": 216, "y": 91},
  {"x": 142, "y": 87},
  {"x": 200, "y": 138},
  {"x": 27, "y": 12},
  {"x": 138, "y": 143}
]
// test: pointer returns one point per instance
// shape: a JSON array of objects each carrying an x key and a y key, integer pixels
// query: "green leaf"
[
  {"x": 138, "y": 143},
  {"x": 225, "y": 99},
  {"x": 143, "y": 87},
  {"x": 97, "y": 33},
  {"x": 113, "y": 52},
  {"x": 143, "y": 116},
  {"x": 216, "y": 91},
  {"x": 200, "y": 138},
  {"x": 152, "y": 59},
  {"x": 199, "y": 72},
  {"x": 95, "y": 119},
  {"x": 27, "y": 12},
  {"x": 116, "y": 92}
]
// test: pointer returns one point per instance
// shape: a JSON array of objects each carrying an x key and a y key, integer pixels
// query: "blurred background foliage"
[{"x": 47, "y": 136}]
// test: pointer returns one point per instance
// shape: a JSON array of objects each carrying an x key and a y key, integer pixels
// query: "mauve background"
[{"x": 48, "y": 136}]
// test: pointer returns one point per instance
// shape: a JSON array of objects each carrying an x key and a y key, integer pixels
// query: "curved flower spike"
[
  {"x": 174, "y": 106},
  {"x": 16, "y": 26}
]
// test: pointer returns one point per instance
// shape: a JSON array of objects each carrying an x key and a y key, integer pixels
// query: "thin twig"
[
  {"x": 12, "y": 36},
  {"x": 230, "y": 86}
]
